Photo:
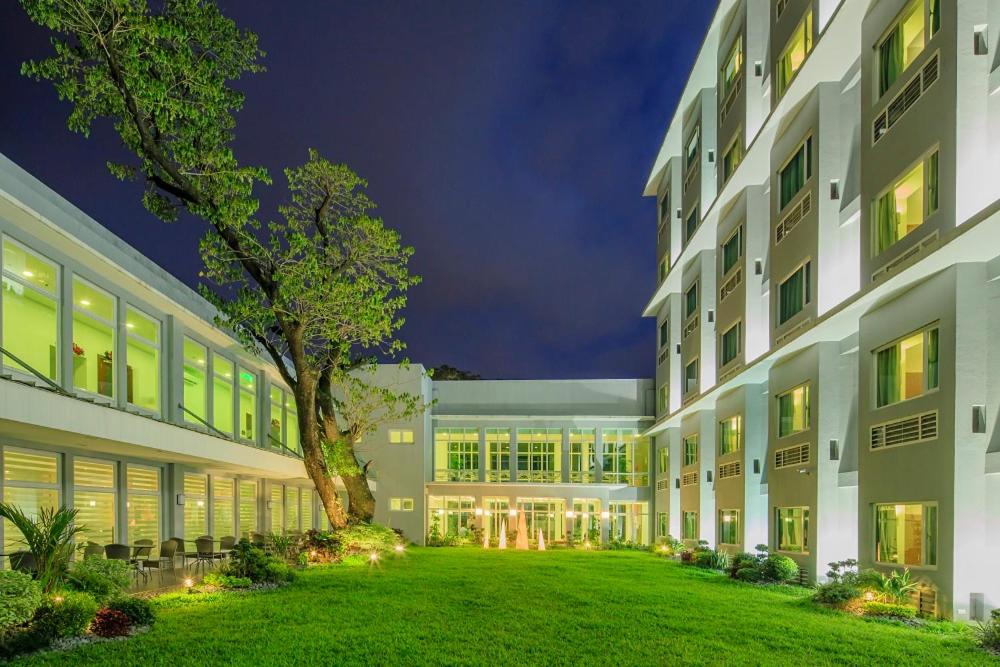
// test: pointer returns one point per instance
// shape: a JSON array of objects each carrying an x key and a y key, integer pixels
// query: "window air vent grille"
[
  {"x": 689, "y": 478},
  {"x": 728, "y": 470},
  {"x": 690, "y": 327},
  {"x": 904, "y": 259},
  {"x": 662, "y": 484},
  {"x": 793, "y": 217},
  {"x": 731, "y": 285},
  {"x": 792, "y": 456},
  {"x": 906, "y": 431},
  {"x": 734, "y": 93},
  {"x": 906, "y": 98}
]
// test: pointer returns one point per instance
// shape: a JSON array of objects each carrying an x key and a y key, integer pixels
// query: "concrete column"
[
  {"x": 66, "y": 329},
  {"x": 482, "y": 454},
  {"x": 564, "y": 456}
]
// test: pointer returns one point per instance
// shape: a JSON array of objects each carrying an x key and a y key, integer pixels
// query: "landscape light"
[
  {"x": 57, "y": 598},
  {"x": 189, "y": 584},
  {"x": 373, "y": 557},
  {"x": 400, "y": 548},
  {"x": 313, "y": 554}
]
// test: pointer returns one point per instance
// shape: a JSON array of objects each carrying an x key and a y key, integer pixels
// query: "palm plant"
[
  {"x": 49, "y": 538},
  {"x": 897, "y": 587}
]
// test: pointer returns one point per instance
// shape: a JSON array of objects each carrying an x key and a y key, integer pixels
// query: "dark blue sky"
[{"x": 508, "y": 141}]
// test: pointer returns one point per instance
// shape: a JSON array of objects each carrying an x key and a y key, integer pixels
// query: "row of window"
[
  {"x": 538, "y": 451},
  {"x": 553, "y": 518},
  {"x": 217, "y": 392},
  {"x": 905, "y": 534},
  {"x": 124, "y": 502}
]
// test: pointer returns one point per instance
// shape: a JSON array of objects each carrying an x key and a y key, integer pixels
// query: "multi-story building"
[
  {"x": 827, "y": 222},
  {"x": 120, "y": 397}
]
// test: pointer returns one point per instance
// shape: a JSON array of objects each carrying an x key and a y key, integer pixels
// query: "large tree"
[{"x": 320, "y": 289}]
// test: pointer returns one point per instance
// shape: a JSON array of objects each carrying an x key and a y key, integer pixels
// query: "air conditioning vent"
[
  {"x": 904, "y": 259},
  {"x": 731, "y": 285},
  {"x": 663, "y": 357},
  {"x": 792, "y": 456},
  {"x": 925, "y": 600},
  {"x": 793, "y": 332},
  {"x": 690, "y": 327},
  {"x": 689, "y": 478},
  {"x": 662, "y": 484},
  {"x": 729, "y": 470},
  {"x": 905, "y": 431},
  {"x": 793, "y": 217},
  {"x": 906, "y": 98}
]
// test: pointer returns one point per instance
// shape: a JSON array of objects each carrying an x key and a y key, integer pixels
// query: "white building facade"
[{"x": 827, "y": 227}]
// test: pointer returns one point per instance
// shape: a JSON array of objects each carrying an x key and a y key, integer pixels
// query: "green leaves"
[{"x": 50, "y": 537}]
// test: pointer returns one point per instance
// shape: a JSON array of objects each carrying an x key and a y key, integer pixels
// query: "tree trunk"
[
  {"x": 313, "y": 456},
  {"x": 361, "y": 502}
]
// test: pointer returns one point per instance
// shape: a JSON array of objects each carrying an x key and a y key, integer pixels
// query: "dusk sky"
[{"x": 508, "y": 142}]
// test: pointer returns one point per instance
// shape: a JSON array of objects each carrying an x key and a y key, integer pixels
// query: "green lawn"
[{"x": 468, "y": 606}]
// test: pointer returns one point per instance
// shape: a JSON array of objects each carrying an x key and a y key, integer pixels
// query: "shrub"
[
  {"x": 251, "y": 563},
  {"x": 138, "y": 610},
  {"x": 740, "y": 561},
  {"x": 102, "y": 578},
  {"x": 988, "y": 633},
  {"x": 703, "y": 558},
  {"x": 110, "y": 623},
  {"x": 221, "y": 580},
  {"x": 667, "y": 546},
  {"x": 67, "y": 615},
  {"x": 895, "y": 588},
  {"x": 836, "y": 593},
  {"x": 748, "y": 573},
  {"x": 285, "y": 547},
  {"x": 49, "y": 536},
  {"x": 20, "y": 597},
  {"x": 888, "y": 609},
  {"x": 278, "y": 572},
  {"x": 687, "y": 557},
  {"x": 366, "y": 538},
  {"x": 321, "y": 546},
  {"x": 777, "y": 568},
  {"x": 719, "y": 560}
]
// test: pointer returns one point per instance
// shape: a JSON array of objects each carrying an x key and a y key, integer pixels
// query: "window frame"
[
  {"x": 738, "y": 447},
  {"x": 735, "y": 145},
  {"x": 692, "y": 214},
  {"x": 7, "y": 364},
  {"x": 401, "y": 438},
  {"x": 737, "y": 234},
  {"x": 924, "y": 162},
  {"x": 924, "y": 505},
  {"x": 807, "y": 26},
  {"x": 112, "y": 326},
  {"x": 925, "y": 332},
  {"x": 896, "y": 22},
  {"x": 692, "y": 288},
  {"x": 157, "y": 345},
  {"x": 807, "y": 407},
  {"x": 685, "y": 514},
  {"x": 399, "y": 504},
  {"x": 807, "y": 149},
  {"x": 735, "y": 513},
  {"x": 690, "y": 459},
  {"x": 738, "y": 326},
  {"x": 807, "y": 279},
  {"x": 688, "y": 390},
  {"x": 726, "y": 86},
  {"x": 804, "y": 525},
  {"x": 691, "y": 157}
]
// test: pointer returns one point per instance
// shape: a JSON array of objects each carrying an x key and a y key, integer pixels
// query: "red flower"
[{"x": 77, "y": 350}]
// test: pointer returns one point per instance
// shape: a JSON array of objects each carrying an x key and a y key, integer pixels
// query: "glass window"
[
  {"x": 539, "y": 454},
  {"x": 195, "y": 385},
  {"x": 664, "y": 268},
  {"x": 248, "y": 404},
  {"x": 689, "y": 526},
  {"x": 30, "y": 311},
  {"x": 142, "y": 359},
  {"x": 691, "y": 450},
  {"x": 96, "y": 499},
  {"x": 729, "y": 527},
  {"x": 456, "y": 454},
  {"x": 628, "y": 522},
  {"x": 276, "y": 434},
  {"x": 222, "y": 394},
  {"x": 792, "y": 529},
  {"x": 691, "y": 224},
  {"x": 730, "y": 344},
  {"x": 794, "y": 54},
  {"x": 30, "y": 481},
  {"x": 664, "y": 333},
  {"x": 223, "y": 507},
  {"x": 292, "y": 423},
  {"x": 906, "y": 205},
  {"x": 451, "y": 515},
  {"x": 793, "y": 176},
  {"x": 248, "y": 508},
  {"x": 906, "y": 534},
  {"x": 401, "y": 504},
  {"x": 307, "y": 509},
  {"x": 498, "y": 455},
  {"x": 498, "y": 517},
  {"x": 731, "y": 68},
  {"x": 665, "y": 208},
  {"x": 663, "y": 457},
  {"x": 691, "y": 301},
  {"x": 292, "y": 509},
  {"x": 586, "y": 520},
  {"x": 626, "y": 457},
  {"x": 664, "y": 397},
  {"x": 582, "y": 452},
  {"x": 277, "y": 508},
  {"x": 691, "y": 377},
  {"x": 545, "y": 516},
  {"x": 732, "y": 250},
  {"x": 195, "y": 506},
  {"x": 692, "y": 149},
  {"x": 907, "y": 369},
  {"x": 730, "y": 435},
  {"x": 142, "y": 506},
  {"x": 662, "y": 524},
  {"x": 905, "y": 41},
  {"x": 732, "y": 158},
  {"x": 398, "y": 436},
  {"x": 94, "y": 322},
  {"x": 794, "y": 293},
  {"x": 793, "y": 411}
]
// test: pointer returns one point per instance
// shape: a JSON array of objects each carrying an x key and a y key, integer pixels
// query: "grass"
[{"x": 469, "y": 606}]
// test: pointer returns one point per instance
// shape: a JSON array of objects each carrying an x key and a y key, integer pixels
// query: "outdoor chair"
[
  {"x": 226, "y": 545},
  {"x": 185, "y": 555},
  {"x": 165, "y": 560},
  {"x": 93, "y": 549},
  {"x": 123, "y": 552},
  {"x": 23, "y": 561},
  {"x": 206, "y": 552}
]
